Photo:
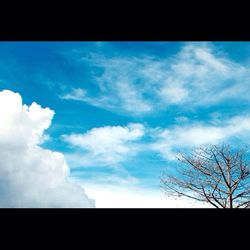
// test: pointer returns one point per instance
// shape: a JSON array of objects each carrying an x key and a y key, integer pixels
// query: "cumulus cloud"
[
  {"x": 197, "y": 75},
  {"x": 31, "y": 176},
  {"x": 106, "y": 146}
]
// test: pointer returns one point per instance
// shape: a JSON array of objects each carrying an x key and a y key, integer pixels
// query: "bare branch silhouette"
[{"x": 217, "y": 175}]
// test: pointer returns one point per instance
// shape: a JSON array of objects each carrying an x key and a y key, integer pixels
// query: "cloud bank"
[
  {"x": 31, "y": 176},
  {"x": 124, "y": 196}
]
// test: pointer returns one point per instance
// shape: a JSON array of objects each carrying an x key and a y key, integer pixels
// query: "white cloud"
[
  {"x": 114, "y": 191},
  {"x": 174, "y": 94},
  {"x": 119, "y": 177},
  {"x": 119, "y": 88},
  {"x": 76, "y": 94},
  {"x": 181, "y": 119},
  {"x": 107, "y": 145},
  {"x": 180, "y": 137},
  {"x": 197, "y": 75},
  {"x": 113, "y": 196},
  {"x": 31, "y": 176},
  {"x": 203, "y": 76},
  {"x": 132, "y": 99}
]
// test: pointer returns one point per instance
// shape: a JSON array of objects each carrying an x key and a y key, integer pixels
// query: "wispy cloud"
[
  {"x": 169, "y": 141},
  {"x": 117, "y": 87},
  {"x": 198, "y": 75},
  {"x": 202, "y": 72},
  {"x": 77, "y": 94},
  {"x": 113, "y": 145}
]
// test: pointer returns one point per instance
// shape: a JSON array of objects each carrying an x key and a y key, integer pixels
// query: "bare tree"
[{"x": 217, "y": 175}]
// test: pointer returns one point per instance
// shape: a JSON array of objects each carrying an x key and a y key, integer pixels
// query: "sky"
[{"x": 95, "y": 124}]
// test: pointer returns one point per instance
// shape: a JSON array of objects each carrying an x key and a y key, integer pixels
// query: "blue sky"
[{"x": 123, "y": 110}]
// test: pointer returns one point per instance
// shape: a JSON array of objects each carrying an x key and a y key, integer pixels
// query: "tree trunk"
[
  {"x": 230, "y": 199},
  {"x": 229, "y": 184}
]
